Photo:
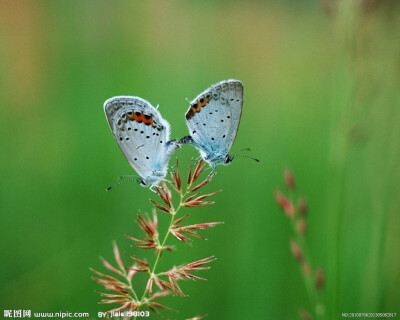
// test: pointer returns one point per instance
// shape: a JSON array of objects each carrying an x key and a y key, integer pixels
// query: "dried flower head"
[
  {"x": 304, "y": 315},
  {"x": 289, "y": 179},
  {"x": 296, "y": 251},
  {"x": 150, "y": 239},
  {"x": 284, "y": 203},
  {"x": 198, "y": 317},
  {"x": 319, "y": 279},
  {"x": 181, "y": 232},
  {"x": 177, "y": 178},
  {"x": 302, "y": 207},
  {"x": 186, "y": 272},
  {"x": 159, "y": 284},
  {"x": 301, "y": 226},
  {"x": 305, "y": 267},
  {"x": 120, "y": 287},
  {"x": 298, "y": 245}
]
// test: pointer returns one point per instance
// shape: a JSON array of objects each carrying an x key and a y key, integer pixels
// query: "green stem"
[
  {"x": 347, "y": 18},
  {"x": 130, "y": 285},
  {"x": 173, "y": 214}
]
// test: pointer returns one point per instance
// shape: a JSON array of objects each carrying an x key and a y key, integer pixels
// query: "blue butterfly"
[
  {"x": 142, "y": 135},
  {"x": 213, "y": 120}
]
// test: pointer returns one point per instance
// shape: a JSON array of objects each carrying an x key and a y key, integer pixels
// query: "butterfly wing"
[
  {"x": 213, "y": 119},
  {"x": 142, "y": 135}
]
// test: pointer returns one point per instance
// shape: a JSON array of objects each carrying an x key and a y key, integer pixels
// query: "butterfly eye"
[
  {"x": 228, "y": 159},
  {"x": 143, "y": 183}
]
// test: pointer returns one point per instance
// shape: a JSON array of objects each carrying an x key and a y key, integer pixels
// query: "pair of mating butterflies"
[{"x": 143, "y": 135}]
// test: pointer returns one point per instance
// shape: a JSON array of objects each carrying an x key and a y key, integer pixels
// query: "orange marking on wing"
[
  {"x": 148, "y": 120},
  {"x": 140, "y": 118},
  {"x": 196, "y": 107},
  {"x": 202, "y": 102}
]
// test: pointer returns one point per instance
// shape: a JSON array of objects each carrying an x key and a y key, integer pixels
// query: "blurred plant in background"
[
  {"x": 124, "y": 292},
  {"x": 295, "y": 208}
]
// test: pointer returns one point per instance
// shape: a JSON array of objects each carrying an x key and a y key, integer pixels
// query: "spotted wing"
[
  {"x": 141, "y": 133},
  {"x": 214, "y": 115}
]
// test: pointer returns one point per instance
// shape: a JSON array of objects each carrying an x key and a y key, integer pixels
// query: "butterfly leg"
[
  {"x": 212, "y": 174},
  {"x": 213, "y": 169},
  {"x": 152, "y": 188},
  {"x": 194, "y": 162},
  {"x": 211, "y": 166},
  {"x": 159, "y": 174}
]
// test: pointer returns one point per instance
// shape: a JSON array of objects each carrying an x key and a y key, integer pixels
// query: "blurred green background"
[{"x": 322, "y": 84}]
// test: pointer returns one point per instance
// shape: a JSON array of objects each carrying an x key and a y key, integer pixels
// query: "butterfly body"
[
  {"x": 142, "y": 135},
  {"x": 213, "y": 120}
]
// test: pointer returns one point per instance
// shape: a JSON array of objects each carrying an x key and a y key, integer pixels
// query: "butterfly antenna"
[
  {"x": 235, "y": 154},
  {"x": 126, "y": 176},
  {"x": 121, "y": 182},
  {"x": 245, "y": 149},
  {"x": 243, "y": 156}
]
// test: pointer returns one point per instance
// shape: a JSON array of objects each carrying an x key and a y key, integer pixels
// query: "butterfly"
[
  {"x": 142, "y": 135},
  {"x": 213, "y": 120}
]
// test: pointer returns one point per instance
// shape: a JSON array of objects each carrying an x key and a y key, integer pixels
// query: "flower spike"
[
  {"x": 121, "y": 290},
  {"x": 176, "y": 178},
  {"x": 199, "y": 169}
]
